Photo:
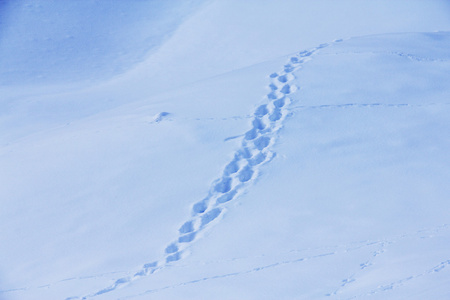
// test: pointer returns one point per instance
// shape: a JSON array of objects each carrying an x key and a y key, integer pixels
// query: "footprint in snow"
[
  {"x": 224, "y": 185},
  {"x": 174, "y": 257},
  {"x": 261, "y": 111},
  {"x": 226, "y": 197},
  {"x": 288, "y": 68},
  {"x": 245, "y": 174},
  {"x": 210, "y": 216},
  {"x": 283, "y": 78}
]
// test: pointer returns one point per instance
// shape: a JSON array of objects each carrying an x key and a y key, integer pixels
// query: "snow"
[
  {"x": 250, "y": 155},
  {"x": 43, "y": 40}
]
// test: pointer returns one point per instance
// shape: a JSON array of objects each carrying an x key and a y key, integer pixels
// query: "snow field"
[{"x": 162, "y": 173}]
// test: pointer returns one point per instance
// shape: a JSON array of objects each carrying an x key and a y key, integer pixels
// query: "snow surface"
[
  {"x": 60, "y": 41},
  {"x": 260, "y": 151}
]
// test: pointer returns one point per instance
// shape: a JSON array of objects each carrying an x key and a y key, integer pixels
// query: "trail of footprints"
[{"x": 254, "y": 151}]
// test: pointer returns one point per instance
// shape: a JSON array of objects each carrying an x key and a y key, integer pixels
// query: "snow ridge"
[{"x": 239, "y": 173}]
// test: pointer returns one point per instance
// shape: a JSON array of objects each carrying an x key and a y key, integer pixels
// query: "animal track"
[
  {"x": 238, "y": 173},
  {"x": 381, "y": 250},
  {"x": 365, "y": 265},
  {"x": 441, "y": 266}
]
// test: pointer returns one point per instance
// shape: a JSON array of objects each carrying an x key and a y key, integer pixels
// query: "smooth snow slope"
[
  {"x": 54, "y": 41},
  {"x": 99, "y": 182}
]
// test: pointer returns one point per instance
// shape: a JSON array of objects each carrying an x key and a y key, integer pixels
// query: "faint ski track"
[
  {"x": 256, "y": 269},
  {"x": 383, "y": 245},
  {"x": 409, "y": 56},
  {"x": 393, "y": 285},
  {"x": 317, "y": 253},
  {"x": 321, "y": 252},
  {"x": 365, "y": 105}
]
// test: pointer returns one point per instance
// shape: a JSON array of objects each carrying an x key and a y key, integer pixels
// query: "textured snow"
[{"x": 261, "y": 150}]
